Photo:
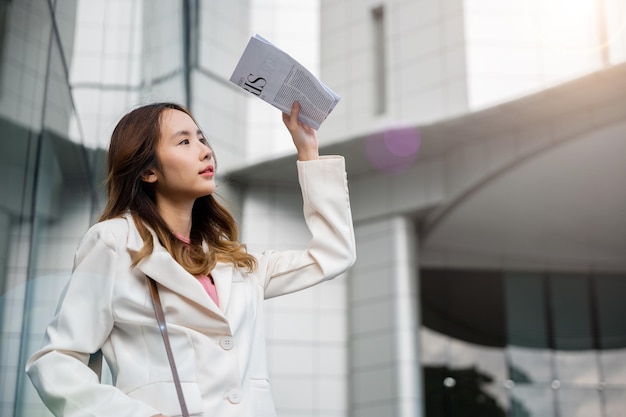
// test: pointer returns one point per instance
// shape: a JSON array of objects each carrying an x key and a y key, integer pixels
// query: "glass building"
[
  {"x": 484, "y": 142},
  {"x": 49, "y": 179}
]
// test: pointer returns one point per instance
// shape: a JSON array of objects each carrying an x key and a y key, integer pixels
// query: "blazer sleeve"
[
  {"x": 331, "y": 249},
  {"x": 82, "y": 323}
]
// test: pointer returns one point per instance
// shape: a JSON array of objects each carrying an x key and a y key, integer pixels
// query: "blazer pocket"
[
  {"x": 263, "y": 404},
  {"x": 163, "y": 397}
]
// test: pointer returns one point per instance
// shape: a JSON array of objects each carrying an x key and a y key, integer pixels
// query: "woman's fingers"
[{"x": 291, "y": 121}]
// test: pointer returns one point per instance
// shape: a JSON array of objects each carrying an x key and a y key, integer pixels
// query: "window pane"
[
  {"x": 571, "y": 312},
  {"x": 610, "y": 291},
  {"x": 614, "y": 402},
  {"x": 532, "y": 401},
  {"x": 527, "y": 365},
  {"x": 525, "y": 310},
  {"x": 574, "y": 402},
  {"x": 577, "y": 367},
  {"x": 613, "y": 364}
]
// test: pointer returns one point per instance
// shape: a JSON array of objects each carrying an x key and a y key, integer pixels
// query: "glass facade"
[
  {"x": 523, "y": 344},
  {"x": 49, "y": 178}
]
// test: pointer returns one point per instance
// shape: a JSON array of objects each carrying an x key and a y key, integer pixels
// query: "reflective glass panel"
[
  {"x": 532, "y": 401},
  {"x": 563, "y": 343},
  {"x": 578, "y": 402},
  {"x": 613, "y": 401},
  {"x": 610, "y": 292}
]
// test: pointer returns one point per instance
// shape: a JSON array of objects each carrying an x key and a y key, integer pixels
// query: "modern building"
[{"x": 485, "y": 143}]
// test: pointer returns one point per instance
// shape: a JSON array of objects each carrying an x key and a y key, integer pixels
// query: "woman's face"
[{"x": 186, "y": 165}]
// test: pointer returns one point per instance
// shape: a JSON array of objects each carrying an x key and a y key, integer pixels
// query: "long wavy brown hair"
[{"x": 132, "y": 152}]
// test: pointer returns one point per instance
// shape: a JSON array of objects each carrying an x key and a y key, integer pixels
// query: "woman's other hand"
[{"x": 303, "y": 135}]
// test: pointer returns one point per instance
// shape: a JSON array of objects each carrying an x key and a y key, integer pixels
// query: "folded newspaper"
[{"x": 275, "y": 77}]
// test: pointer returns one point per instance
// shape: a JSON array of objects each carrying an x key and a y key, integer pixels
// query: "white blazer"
[{"x": 219, "y": 351}]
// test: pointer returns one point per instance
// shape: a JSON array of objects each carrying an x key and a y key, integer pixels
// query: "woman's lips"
[{"x": 208, "y": 171}]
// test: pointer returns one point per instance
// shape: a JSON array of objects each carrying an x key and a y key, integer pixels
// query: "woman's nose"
[{"x": 205, "y": 152}]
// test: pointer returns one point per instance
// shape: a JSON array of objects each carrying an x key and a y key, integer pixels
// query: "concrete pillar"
[{"x": 385, "y": 376}]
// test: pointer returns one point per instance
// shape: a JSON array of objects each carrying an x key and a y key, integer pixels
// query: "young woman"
[{"x": 163, "y": 221}]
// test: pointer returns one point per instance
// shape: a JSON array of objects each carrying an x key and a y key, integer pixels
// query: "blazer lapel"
[
  {"x": 223, "y": 277},
  {"x": 161, "y": 267}
]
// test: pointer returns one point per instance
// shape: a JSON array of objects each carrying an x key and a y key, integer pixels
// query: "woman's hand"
[{"x": 303, "y": 135}]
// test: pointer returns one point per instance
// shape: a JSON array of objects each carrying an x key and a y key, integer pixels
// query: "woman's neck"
[{"x": 177, "y": 218}]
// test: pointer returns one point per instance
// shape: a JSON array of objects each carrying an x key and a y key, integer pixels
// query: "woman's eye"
[
  {"x": 203, "y": 140},
  {"x": 184, "y": 142}
]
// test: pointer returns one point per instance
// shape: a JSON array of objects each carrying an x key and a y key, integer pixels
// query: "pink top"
[
  {"x": 209, "y": 286},
  {"x": 206, "y": 280}
]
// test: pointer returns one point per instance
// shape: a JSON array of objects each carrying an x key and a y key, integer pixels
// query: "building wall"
[
  {"x": 293, "y": 27},
  {"x": 444, "y": 59},
  {"x": 48, "y": 193},
  {"x": 384, "y": 322},
  {"x": 218, "y": 104},
  {"x": 424, "y": 69},
  {"x": 451, "y": 61}
]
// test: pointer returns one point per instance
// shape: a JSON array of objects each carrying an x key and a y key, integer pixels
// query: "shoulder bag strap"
[{"x": 158, "y": 311}]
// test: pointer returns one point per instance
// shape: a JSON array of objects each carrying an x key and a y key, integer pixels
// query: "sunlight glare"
[{"x": 570, "y": 25}]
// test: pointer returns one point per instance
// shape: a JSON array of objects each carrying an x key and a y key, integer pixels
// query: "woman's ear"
[{"x": 149, "y": 176}]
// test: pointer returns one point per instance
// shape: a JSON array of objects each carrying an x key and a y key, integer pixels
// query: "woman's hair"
[{"x": 132, "y": 152}]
